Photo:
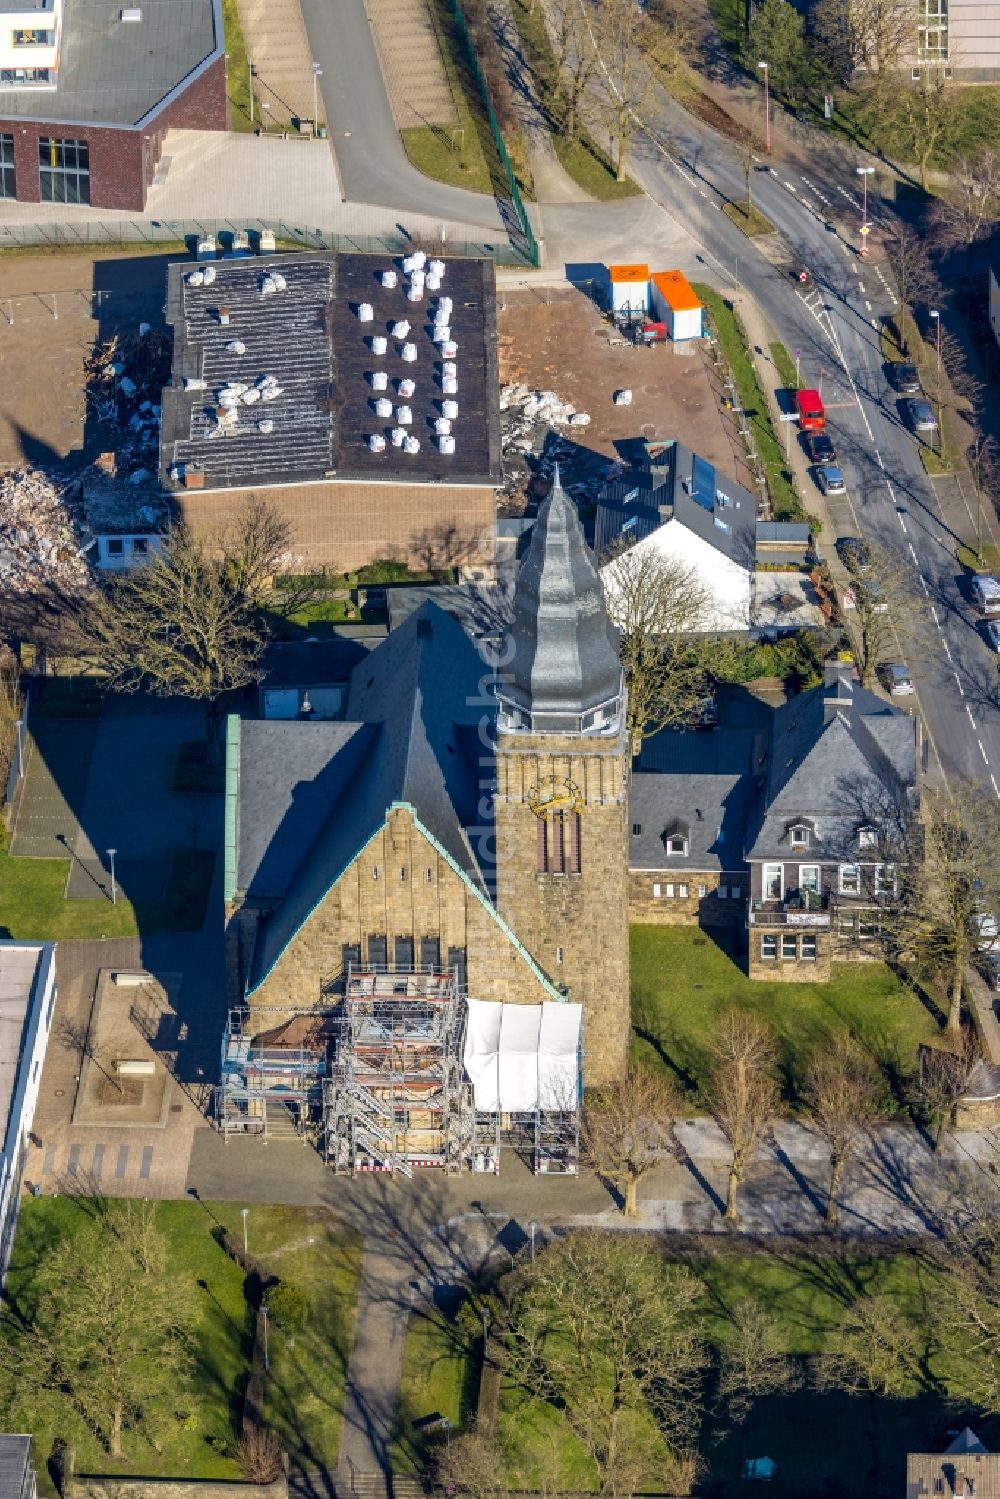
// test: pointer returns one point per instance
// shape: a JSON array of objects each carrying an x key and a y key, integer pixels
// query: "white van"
[{"x": 986, "y": 594}]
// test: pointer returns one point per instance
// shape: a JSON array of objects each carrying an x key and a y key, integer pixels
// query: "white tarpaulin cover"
[{"x": 522, "y": 1057}]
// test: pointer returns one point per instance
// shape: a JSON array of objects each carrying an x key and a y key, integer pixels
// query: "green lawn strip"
[
  {"x": 784, "y": 501},
  {"x": 784, "y": 364},
  {"x": 752, "y": 223},
  {"x": 33, "y": 906},
  {"x": 682, "y": 981},
  {"x": 305, "y": 1391},
  {"x": 582, "y": 158},
  {"x": 940, "y": 465},
  {"x": 464, "y": 154},
  {"x": 807, "y": 1294},
  {"x": 237, "y": 68},
  {"x": 439, "y": 1381},
  {"x": 986, "y": 560}
]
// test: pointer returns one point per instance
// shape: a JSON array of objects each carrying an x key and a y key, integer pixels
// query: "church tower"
[{"x": 562, "y": 769}]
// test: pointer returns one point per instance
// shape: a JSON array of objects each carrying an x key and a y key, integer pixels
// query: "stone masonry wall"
[
  {"x": 671, "y": 907},
  {"x": 344, "y": 526},
  {"x": 575, "y": 926},
  {"x": 399, "y": 886}
]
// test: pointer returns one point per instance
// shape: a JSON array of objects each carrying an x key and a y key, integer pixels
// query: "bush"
[
  {"x": 288, "y": 1306},
  {"x": 258, "y": 1453}
]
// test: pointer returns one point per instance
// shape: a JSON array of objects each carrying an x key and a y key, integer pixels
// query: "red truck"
[{"x": 810, "y": 409}]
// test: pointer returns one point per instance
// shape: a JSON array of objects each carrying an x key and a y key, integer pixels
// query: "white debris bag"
[
  {"x": 446, "y": 444},
  {"x": 236, "y": 346},
  {"x": 449, "y": 385},
  {"x": 449, "y": 350},
  {"x": 380, "y": 380},
  {"x": 365, "y": 312},
  {"x": 442, "y": 426},
  {"x": 191, "y": 383},
  {"x": 409, "y": 353},
  {"x": 389, "y": 279},
  {"x": 412, "y": 445},
  {"x": 377, "y": 442},
  {"x": 383, "y": 407},
  {"x": 209, "y": 274},
  {"x": 449, "y": 368},
  {"x": 400, "y": 328},
  {"x": 579, "y": 419},
  {"x": 415, "y": 294},
  {"x": 398, "y": 436},
  {"x": 379, "y": 343},
  {"x": 407, "y": 387},
  {"x": 436, "y": 268},
  {"x": 265, "y": 425},
  {"x": 449, "y": 409},
  {"x": 251, "y": 397},
  {"x": 433, "y": 282},
  {"x": 195, "y": 278},
  {"x": 445, "y": 304},
  {"x": 404, "y": 416}
]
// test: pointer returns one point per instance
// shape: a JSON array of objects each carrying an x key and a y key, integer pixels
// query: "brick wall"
[
  {"x": 415, "y": 894},
  {"x": 686, "y": 897},
  {"x": 343, "y": 526},
  {"x": 122, "y": 162},
  {"x": 582, "y": 918}
]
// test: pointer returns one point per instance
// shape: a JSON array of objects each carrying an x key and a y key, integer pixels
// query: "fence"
[
  {"x": 18, "y": 756},
  {"x": 172, "y": 232},
  {"x": 531, "y": 252}
]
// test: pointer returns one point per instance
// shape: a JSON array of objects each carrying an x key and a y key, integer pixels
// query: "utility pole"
[
  {"x": 864, "y": 173},
  {"x": 765, "y": 69}
]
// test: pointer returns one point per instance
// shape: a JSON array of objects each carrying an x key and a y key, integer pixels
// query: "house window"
[
  {"x": 677, "y": 844},
  {"x": 723, "y": 892},
  {"x": 402, "y": 871},
  {"x": 807, "y": 949},
  {"x": 657, "y": 890},
  {"x": 64, "y": 170},
  {"x": 868, "y": 929},
  {"x": 702, "y": 891},
  {"x": 682, "y": 891},
  {"x": 768, "y": 949},
  {"x": 140, "y": 546},
  {"x": 774, "y": 881},
  {"x": 723, "y": 525},
  {"x": 8, "y": 182},
  {"x": 429, "y": 875},
  {"x": 845, "y": 924},
  {"x": 34, "y": 38},
  {"x": 885, "y": 879},
  {"x": 789, "y": 948},
  {"x": 374, "y": 871},
  {"x": 116, "y": 546},
  {"x": 800, "y": 837},
  {"x": 867, "y": 838},
  {"x": 542, "y": 847},
  {"x": 668, "y": 891},
  {"x": 457, "y": 960},
  {"x": 809, "y": 877},
  {"x": 849, "y": 879}
]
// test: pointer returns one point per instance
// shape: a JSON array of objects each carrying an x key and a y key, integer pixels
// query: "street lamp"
[
  {"x": 114, "y": 887},
  {"x": 317, "y": 75},
  {"x": 532, "y": 1226},
  {"x": 253, "y": 73},
  {"x": 244, "y": 1214},
  {"x": 765, "y": 69},
  {"x": 864, "y": 173},
  {"x": 937, "y": 318}
]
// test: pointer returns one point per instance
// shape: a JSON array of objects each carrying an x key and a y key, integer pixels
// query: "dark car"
[
  {"x": 921, "y": 415},
  {"x": 821, "y": 448},
  {"x": 991, "y": 970},
  {"x": 904, "y": 378}
]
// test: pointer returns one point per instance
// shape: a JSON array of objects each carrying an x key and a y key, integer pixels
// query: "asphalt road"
[
  {"x": 372, "y": 163},
  {"x": 691, "y": 171}
]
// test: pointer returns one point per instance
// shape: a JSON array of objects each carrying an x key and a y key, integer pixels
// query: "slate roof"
[
  {"x": 312, "y": 663},
  {"x": 666, "y": 486},
  {"x": 482, "y": 608},
  {"x": 115, "y": 73},
  {"x": 564, "y": 661},
  {"x": 17, "y": 1477},
  {"x": 712, "y": 810},
  {"x": 841, "y": 756},
  {"x": 935, "y": 1475},
  {"x": 411, "y": 734}
]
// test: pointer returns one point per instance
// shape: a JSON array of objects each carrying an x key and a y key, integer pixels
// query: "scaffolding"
[
  {"x": 397, "y": 1096},
  {"x": 272, "y": 1079}
]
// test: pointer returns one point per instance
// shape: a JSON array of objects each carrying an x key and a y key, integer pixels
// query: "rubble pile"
[
  {"x": 125, "y": 375},
  {"x": 39, "y": 541},
  {"x": 529, "y": 423}
]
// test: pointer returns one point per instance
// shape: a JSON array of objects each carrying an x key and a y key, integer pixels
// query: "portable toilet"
[
  {"x": 676, "y": 304},
  {"x": 629, "y": 288}
]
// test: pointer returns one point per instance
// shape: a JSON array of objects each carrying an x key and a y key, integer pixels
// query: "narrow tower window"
[
  {"x": 542, "y": 846},
  {"x": 557, "y": 851},
  {"x": 574, "y": 843}
]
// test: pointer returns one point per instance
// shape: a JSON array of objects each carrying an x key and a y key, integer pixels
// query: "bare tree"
[
  {"x": 966, "y": 1306},
  {"x": 972, "y": 199},
  {"x": 603, "y": 1327},
  {"x": 180, "y": 626},
  {"x": 655, "y": 603},
  {"x": 882, "y": 597},
  {"x": 628, "y": 1129},
  {"x": 949, "y": 883},
  {"x": 627, "y": 85},
  {"x": 876, "y": 35},
  {"x": 673, "y": 37},
  {"x": 873, "y": 1352},
  {"x": 842, "y": 1089},
  {"x": 749, "y": 148},
  {"x": 258, "y": 1452},
  {"x": 945, "y": 1075},
  {"x": 576, "y": 61},
  {"x": 909, "y": 262},
  {"x": 752, "y": 1363},
  {"x": 924, "y": 113},
  {"x": 743, "y": 1092}
]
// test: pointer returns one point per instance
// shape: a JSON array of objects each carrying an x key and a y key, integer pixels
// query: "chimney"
[
  {"x": 838, "y": 691},
  {"x": 194, "y": 476},
  {"x": 224, "y": 317}
]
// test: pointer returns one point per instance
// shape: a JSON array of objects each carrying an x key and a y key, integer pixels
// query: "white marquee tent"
[{"x": 520, "y": 1058}]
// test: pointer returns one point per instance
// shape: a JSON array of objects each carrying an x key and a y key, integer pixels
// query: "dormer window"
[
  {"x": 800, "y": 835},
  {"x": 677, "y": 844},
  {"x": 867, "y": 838},
  {"x": 676, "y": 838}
]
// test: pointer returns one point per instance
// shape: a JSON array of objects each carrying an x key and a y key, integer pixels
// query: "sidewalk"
[{"x": 278, "y": 47}]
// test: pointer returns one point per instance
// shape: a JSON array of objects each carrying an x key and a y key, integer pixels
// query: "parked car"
[
  {"x": 985, "y": 592},
  {"x": 904, "y": 378},
  {"x": 922, "y": 418},
  {"x": 830, "y": 479},
  {"x": 821, "y": 448},
  {"x": 991, "y": 629},
  {"x": 986, "y": 924},
  {"x": 896, "y": 679},
  {"x": 991, "y": 970}
]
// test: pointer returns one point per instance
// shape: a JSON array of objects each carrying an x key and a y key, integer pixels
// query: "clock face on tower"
[{"x": 554, "y": 794}]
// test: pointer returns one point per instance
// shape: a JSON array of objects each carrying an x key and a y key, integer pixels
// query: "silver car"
[{"x": 830, "y": 479}]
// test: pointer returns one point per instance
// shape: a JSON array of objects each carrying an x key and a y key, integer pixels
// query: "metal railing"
[
  {"x": 186, "y": 232},
  {"x": 801, "y": 908}
]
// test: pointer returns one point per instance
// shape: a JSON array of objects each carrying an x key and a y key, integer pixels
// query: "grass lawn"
[
  {"x": 785, "y": 365},
  {"x": 440, "y": 1380},
  {"x": 681, "y": 981},
  {"x": 784, "y": 501},
  {"x": 464, "y": 154},
  {"x": 752, "y": 222},
  {"x": 804, "y": 1432},
  {"x": 987, "y": 560},
  {"x": 33, "y": 906},
  {"x": 237, "y": 68},
  {"x": 582, "y": 158},
  {"x": 307, "y": 1373}
]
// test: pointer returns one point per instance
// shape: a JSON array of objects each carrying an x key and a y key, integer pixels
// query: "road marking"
[
  {"x": 934, "y": 616},
  {"x": 913, "y": 555},
  {"x": 947, "y": 651},
  {"x": 996, "y": 788},
  {"x": 881, "y": 465},
  {"x": 874, "y": 325},
  {"x": 961, "y": 689},
  {"x": 923, "y": 584},
  {"x": 791, "y": 186},
  {"x": 703, "y": 192},
  {"x": 971, "y": 719},
  {"x": 982, "y": 751},
  {"x": 868, "y": 305}
]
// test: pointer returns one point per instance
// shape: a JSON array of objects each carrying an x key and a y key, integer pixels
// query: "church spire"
[{"x": 564, "y": 675}]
